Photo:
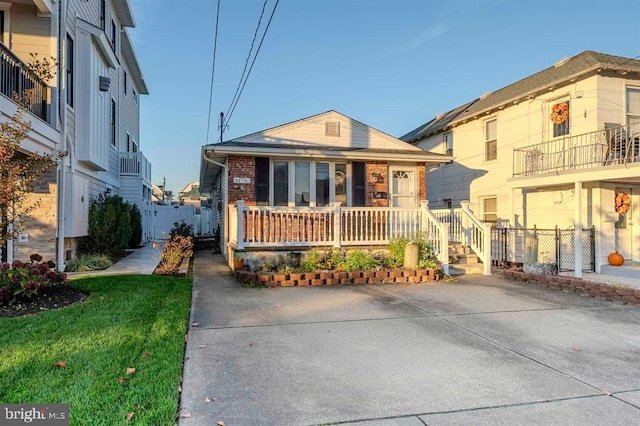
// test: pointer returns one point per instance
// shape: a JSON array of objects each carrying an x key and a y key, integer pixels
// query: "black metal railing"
[
  {"x": 613, "y": 145},
  {"x": 551, "y": 249},
  {"x": 17, "y": 80}
]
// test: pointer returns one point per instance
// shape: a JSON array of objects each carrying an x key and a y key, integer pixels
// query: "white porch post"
[
  {"x": 9, "y": 246},
  {"x": 465, "y": 222},
  {"x": 578, "y": 226},
  {"x": 240, "y": 224},
  {"x": 337, "y": 224}
]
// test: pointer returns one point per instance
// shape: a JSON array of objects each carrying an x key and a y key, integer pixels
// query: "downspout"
[
  {"x": 62, "y": 43},
  {"x": 226, "y": 201}
]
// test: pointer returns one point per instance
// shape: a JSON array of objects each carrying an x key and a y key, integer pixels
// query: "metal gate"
[{"x": 556, "y": 247}]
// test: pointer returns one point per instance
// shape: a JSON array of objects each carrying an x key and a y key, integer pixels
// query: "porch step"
[
  {"x": 457, "y": 248},
  {"x": 463, "y": 259},
  {"x": 465, "y": 269}
]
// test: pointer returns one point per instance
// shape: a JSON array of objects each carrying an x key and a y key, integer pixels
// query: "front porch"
[{"x": 270, "y": 227}]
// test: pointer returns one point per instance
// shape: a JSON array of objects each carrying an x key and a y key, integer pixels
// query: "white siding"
[{"x": 311, "y": 131}]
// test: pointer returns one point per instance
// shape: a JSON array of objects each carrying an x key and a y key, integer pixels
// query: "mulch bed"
[{"x": 50, "y": 298}]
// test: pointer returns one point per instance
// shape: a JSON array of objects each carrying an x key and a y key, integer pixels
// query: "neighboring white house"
[
  {"x": 98, "y": 86},
  {"x": 554, "y": 148}
]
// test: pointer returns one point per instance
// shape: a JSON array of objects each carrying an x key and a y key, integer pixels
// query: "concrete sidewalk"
[
  {"x": 480, "y": 350},
  {"x": 142, "y": 261}
]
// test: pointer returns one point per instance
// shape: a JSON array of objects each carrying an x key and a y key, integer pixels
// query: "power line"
[
  {"x": 213, "y": 70},
  {"x": 254, "y": 61},
  {"x": 246, "y": 63}
]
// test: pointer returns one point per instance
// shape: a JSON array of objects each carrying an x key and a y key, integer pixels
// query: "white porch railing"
[
  {"x": 466, "y": 228},
  {"x": 267, "y": 226},
  {"x": 135, "y": 164}
]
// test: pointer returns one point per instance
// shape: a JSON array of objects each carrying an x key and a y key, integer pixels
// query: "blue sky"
[{"x": 390, "y": 64}]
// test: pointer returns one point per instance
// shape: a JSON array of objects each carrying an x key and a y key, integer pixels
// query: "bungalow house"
[
  {"x": 325, "y": 180},
  {"x": 558, "y": 148}
]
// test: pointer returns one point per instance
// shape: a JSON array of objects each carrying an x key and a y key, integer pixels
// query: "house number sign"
[{"x": 241, "y": 180}]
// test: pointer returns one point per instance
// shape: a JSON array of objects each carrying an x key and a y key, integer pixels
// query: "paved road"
[{"x": 481, "y": 350}]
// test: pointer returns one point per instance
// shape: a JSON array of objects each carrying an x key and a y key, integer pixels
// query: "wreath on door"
[
  {"x": 623, "y": 203},
  {"x": 560, "y": 113}
]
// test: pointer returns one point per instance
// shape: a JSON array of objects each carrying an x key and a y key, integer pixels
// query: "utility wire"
[
  {"x": 246, "y": 63},
  {"x": 252, "y": 62},
  {"x": 213, "y": 70}
]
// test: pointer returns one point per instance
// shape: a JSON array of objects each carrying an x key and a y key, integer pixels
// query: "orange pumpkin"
[{"x": 615, "y": 259}]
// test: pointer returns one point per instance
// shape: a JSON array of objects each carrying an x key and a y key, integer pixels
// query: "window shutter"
[
  {"x": 358, "y": 169},
  {"x": 262, "y": 181}
]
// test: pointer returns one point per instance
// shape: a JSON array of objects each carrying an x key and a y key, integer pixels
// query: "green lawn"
[{"x": 124, "y": 318}]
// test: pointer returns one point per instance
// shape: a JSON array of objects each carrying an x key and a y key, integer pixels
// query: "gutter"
[{"x": 63, "y": 121}]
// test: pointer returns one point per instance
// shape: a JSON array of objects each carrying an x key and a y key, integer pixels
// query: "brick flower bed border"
[
  {"x": 395, "y": 276},
  {"x": 577, "y": 285}
]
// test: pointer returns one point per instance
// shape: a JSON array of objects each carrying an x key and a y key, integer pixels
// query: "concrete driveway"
[{"x": 481, "y": 350}]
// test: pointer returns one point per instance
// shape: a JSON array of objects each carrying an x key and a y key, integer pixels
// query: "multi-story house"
[
  {"x": 91, "y": 111},
  {"x": 558, "y": 148}
]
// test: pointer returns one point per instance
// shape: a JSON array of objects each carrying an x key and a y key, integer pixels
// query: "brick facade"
[
  {"x": 422, "y": 182},
  {"x": 242, "y": 167},
  {"x": 245, "y": 167},
  {"x": 372, "y": 186},
  {"x": 41, "y": 224}
]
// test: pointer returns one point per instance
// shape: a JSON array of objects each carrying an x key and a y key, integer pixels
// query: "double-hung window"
[
  {"x": 490, "y": 210},
  {"x": 114, "y": 138},
  {"x": 491, "y": 140},
  {"x": 633, "y": 105},
  {"x": 69, "y": 61},
  {"x": 560, "y": 118},
  {"x": 124, "y": 82},
  {"x": 448, "y": 143}
]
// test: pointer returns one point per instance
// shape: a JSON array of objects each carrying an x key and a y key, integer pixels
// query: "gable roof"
[
  {"x": 310, "y": 131},
  {"x": 559, "y": 74}
]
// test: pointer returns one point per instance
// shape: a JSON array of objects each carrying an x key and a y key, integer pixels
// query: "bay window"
[{"x": 301, "y": 183}]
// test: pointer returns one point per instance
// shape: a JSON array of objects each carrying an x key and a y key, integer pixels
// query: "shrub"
[
  {"x": 21, "y": 280},
  {"x": 88, "y": 262},
  {"x": 109, "y": 230},
  {"x": 136, "y": 226},
  {"x": 357, "y": 260},
  {"x": 181, "y": 229},
  {"x": 425, "y": 251},
  {"x": 175, "y": 249},
  {"x": 311, "y": 263}
]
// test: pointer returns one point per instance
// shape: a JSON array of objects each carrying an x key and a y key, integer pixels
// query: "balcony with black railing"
[
  {"x": 610, "y": 146},
  {"x": 16, "y": 79}
]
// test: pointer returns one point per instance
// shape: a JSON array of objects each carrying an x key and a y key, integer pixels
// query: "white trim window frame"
[
  {"x": 632, "y": 106},
  {"x": 6, "y": 22},
  {"x": 490, "y": 139},
  {"x": 492, "y": 213},
  {"x": 312, "y": 191},
  {"x": 70, "y": 74},
  {"x": 447, "y": 140},
  {"x": 563, "y": 129}
]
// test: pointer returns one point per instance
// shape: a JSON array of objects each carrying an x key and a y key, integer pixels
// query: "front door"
[
  {"x": 403, "y": 187},
  {"x": 624, "y": 225}
]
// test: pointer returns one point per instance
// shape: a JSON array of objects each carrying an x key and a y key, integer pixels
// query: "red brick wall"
[
  {"x": 372, "y": 186},
  {"x": 242, "y": 166},
  {"x": 422, "y": 182}
]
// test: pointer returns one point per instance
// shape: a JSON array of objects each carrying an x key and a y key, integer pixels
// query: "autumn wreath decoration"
[
  {"x": 560, "y": 113},
  {"x": 623, "y": 203}
]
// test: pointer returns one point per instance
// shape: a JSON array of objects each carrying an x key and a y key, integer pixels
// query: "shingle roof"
[{"x": 583, "y": 63}]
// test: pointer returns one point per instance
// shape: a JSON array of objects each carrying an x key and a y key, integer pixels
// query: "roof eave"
[
  {"x": 318, "y": 152},
  {"x": 125, "y": 13},
  {"x": 131, "y": 58}
]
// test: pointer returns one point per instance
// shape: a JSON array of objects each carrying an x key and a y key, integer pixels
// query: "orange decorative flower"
[
  {"x": 623, "y": 203},
  {"x": 560, "y": 113}
]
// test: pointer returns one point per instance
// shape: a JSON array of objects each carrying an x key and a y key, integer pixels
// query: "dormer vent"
[
  {"x": 332, "y": 128},
  {"x": 561, "y": 62},
  {"x": 486, "y": 95}
]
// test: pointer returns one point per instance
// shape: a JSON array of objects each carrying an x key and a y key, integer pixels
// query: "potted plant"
[{"x": 238, "y": 261}]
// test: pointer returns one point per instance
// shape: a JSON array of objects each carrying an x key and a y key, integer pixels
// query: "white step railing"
[
  {"x": 477, "y": 235},
  {"x": 268, "y": 226},
  {"x": 466, "y": 228}
]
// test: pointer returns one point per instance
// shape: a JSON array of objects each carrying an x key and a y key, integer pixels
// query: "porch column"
[
  {"x": 578, "y": 232},
  {"x": 240, "y": 224}
]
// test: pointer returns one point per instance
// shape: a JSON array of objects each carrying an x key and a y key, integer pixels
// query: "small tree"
[
  {"x": 109, "y": 230},
  {"x": 20, "y": 171},
  {"x": 136, "y": 227}
]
